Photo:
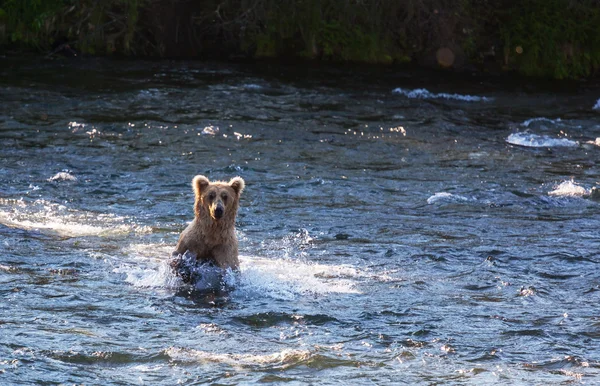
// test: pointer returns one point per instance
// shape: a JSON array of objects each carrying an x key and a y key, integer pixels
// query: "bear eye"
[
  {"x": 224, "y": 197},
  {"x": 211, "y": 196}
]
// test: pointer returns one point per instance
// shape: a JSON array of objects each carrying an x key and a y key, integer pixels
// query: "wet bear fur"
[{"x": 211, "y": 236}]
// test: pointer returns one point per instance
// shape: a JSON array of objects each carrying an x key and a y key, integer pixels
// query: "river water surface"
[{"x": 396, "y": 228}]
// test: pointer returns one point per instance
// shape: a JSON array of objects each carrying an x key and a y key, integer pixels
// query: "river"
[{"x": 397, "y": 227}]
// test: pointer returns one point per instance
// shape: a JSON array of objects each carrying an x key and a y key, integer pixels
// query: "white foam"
[
  {"x": 239, "y": 136},
  {"x": 62, "y": 176},
  {"x": 535, "y": 140},
  {"x": 282, "y": 279},
  {"x": 597, "y": 105},
  {"x": 146, "y": 266},
  {"x": 142, "y": 252},
  {"x": 285, "y": 357},
  {"x": 159, "y": 276},
  {"x": 46, "y": 216},
  {"x": 285, "y": 273},
  {"x": 422, "y": 93},
  {"x": 75, "y": 126},
  {"x": 595, "y": 142},
  {"x": 210, "y": 130},
  {"x": 287, "y": 279},
  {"x": 446, "y": 197},
  {"x": 569, "y": 189}
]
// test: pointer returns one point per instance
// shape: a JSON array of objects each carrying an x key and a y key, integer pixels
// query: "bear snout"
[{"x": 219, "y": 211}]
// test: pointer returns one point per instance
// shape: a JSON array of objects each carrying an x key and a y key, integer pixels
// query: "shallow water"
[{"x": 407, "y": 228}]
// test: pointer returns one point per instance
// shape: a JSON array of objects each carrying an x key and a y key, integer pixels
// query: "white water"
[
  {"x": 282, "y": 358},
  {"x": 446, "y": 197},
  {"x": 595, "y": 142},
  {"x": 210, "y": 130},
  {"x": 62, "y": 176},
  {"x": 146, "y": 265},
  {"x": 422, "y": 93},
  {"x": 282, "y": 279},
  {"x": 569, "y": 189},
  {"x": 41, "y": 215},
  {"x": 287, "y": 279},
  {"x": 536, "y": 140}
]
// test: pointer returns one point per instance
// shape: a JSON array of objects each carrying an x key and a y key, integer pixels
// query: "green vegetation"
[
  {"x": 553, "y": 38},
  {"x": 328, "y": 30},
  {"x": 550, "y": 38},
  {"x": 28, "y": 23},
  {"x": 95, "y": 27}
]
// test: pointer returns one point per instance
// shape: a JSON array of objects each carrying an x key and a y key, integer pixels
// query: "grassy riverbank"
[{"x": 550, "y": 38}]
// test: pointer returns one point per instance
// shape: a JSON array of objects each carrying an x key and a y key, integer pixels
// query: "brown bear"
[{"x": 211, "y": 236}]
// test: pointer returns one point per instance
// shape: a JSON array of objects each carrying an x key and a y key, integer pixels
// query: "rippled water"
[{"x": 397, "y": 227}]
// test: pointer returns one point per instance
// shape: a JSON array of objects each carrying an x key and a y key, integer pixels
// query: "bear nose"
[{"x": 219, "y": 211}]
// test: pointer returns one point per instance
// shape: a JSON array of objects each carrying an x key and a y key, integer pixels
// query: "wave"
[
  {"x": 528, "y": 122},
  {"x": 446, "y": 197},
  {"x": 229, "y": 88},
  {"x": 51, "y": 217},
  {"x": 62, "y": 176},
  {"x": 284, "y": 358},
  {"x": 550, "y": 123},
  {"x": 535, "y": 140},
  {"x": 595, "y": 142},
  {"x": 597, "y": 105},
  {"x": 569, "y": 189},
  {"x": 422, "y": 93},
  {"x": 252, "y": 86},
  {"x": 151, "y": 93}
]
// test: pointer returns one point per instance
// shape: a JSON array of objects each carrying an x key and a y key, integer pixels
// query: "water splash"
[
  {"x": 146, "y": 266},
  {"x": 595, "y": 142},
  {"x": 294, "y": 245},
  {"x": 284, "y": 274},
  {"x": 569, "y": 189},
  {"x": 200, "y": 275},
  {"x": 62, "y": 176},
  {"x": 282, "y": 359},
  {"x": 535, "y": 140},
  {"x": 446, "y": 197},
  {"x": 210, "y": 130},
  {"x": 281, "y": 279},
  {"x": 286, "y": 280},
  {"x": 422, "y": 93},
  {"x": 76, "y": 126}
]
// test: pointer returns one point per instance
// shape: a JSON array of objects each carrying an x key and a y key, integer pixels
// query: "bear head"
[{"x": 218, "y": 200}]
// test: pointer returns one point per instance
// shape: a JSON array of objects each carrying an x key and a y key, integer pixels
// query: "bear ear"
[
  {"x": 237, "y": 184},
  {"x": 199, "y": 183}
]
